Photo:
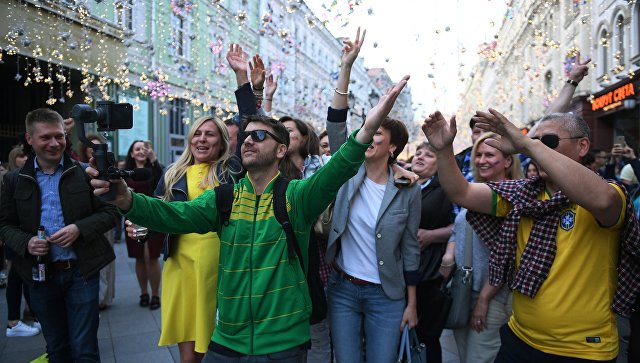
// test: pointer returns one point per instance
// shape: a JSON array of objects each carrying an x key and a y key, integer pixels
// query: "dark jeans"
[
  {"x": 430, "y": 322},
  {"x": 515, "y": 350},
  {"x": 15, "y": 289},
  {"x": 67, "y": 307},
  {"x": 634, "y": 339},
  {"x": 293, "y": 355}
]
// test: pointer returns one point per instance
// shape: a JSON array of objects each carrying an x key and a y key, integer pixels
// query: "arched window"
[
  {"x": 603, "y": 53},
  {"x": 548, "y": 80},
  {"x": 619, "y": 26},
  {"x": 635, "y": 33}
]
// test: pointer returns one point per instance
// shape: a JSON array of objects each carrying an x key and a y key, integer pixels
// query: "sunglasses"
[
  {"x": 259, "y": 135},
  {"x": 552, "y": 140}
]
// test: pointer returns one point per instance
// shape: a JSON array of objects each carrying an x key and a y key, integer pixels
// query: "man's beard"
[{"x": 261, "y": 160}]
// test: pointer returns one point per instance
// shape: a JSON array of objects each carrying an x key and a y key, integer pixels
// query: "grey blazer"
[{"x": 397, "y": 247}]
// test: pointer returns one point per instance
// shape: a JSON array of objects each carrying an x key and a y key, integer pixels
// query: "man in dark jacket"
[{"x": 53, "y": 191}]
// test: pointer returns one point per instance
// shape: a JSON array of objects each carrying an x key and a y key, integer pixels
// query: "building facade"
[
  {"x": 167, "y": 58},
  {"x": 528, "y": 62}
]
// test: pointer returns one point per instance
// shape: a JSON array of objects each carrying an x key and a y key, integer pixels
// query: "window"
[
  {"x": 180, "y": 36},
  {"x": 619, "y": 26},
  {"x": 603, "y": 54},
  {"x": 124, "y": 14},
  {"x": 176, "y": 114},
  {"x": 548, "y": 80},
  {"x": 635, "y": 34}
]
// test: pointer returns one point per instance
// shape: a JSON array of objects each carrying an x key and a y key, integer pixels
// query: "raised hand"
[
  {"x": 384, "y": 106},
  {"x": 271, "y": 86},
  {"x": 257, "y": 72},
  {"x": 511, "y": 140},
  {"x": 351, "y": 49},
  {"x": 237, "y": 58},
  {"x": 580, "y": 69},
  {"x": 439, "y": 131}
]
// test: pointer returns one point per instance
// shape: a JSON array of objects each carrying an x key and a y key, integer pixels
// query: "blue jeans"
[
  {"x": 67, "y": 307},
  {"x": 358, "y": 309}
]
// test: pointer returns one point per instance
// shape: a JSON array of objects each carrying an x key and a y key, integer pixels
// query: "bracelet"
[
  {"x": 341, "y": 93},
  {"x": 449, "y": 265},
  {"x": 572, "y": 82}
]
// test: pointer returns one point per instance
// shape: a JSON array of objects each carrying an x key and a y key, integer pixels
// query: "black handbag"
[{"x": 459, "y": 288}]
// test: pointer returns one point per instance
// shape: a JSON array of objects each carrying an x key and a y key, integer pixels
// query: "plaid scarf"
[{"x": 500, "y": 234}]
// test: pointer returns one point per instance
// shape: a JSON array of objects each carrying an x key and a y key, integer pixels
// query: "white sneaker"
[
  {"x": 36, "y": 324},
  {"x": 22, "y": 330}
]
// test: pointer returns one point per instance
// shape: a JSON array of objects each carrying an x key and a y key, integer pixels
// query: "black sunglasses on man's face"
[
  {"x": 553, "y": 140},
  {"x": 259, "y": 135}
]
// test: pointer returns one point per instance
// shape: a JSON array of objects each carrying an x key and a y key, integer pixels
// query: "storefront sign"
[{"x": 613, "y": 99}]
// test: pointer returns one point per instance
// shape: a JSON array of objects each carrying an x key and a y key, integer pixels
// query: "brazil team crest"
[{"x": 567, "y": 220}]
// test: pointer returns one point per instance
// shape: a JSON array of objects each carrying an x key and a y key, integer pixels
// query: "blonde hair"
[
  {"x": 178, "y": 169},
  {"x": 512, "y": 172}
]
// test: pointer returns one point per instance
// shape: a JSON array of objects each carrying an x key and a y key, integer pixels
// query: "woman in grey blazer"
[{"x": 374, "y": 255}]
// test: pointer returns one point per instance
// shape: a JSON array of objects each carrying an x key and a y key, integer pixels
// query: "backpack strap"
[
  {"x": 224, "y": 202},
  {"x": 280, "y": 211}
]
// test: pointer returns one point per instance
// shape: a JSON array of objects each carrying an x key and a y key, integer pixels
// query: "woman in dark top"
[
  {"x": 433, "y": 233},
  {"x": 146, "y": 254}
]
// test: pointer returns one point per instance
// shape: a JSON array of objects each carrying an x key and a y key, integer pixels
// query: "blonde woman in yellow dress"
[{"x": 190, "y": 273}]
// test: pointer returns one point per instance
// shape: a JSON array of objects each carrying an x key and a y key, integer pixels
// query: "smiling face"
[
  {"x": 324, "y": 146},
  {"x": 260, "y": 155},
  {"x": 205, "y": 144},
  {"x": 490, "y": 163},
  {"x": 48, "y": 142},
  {"x": 296, "y": 139},
  {"x": 139, "y": 153},
  {"x": 424, "y": 163},
  {"x": 381, "y": 147},
  {"x": 532, "y": 170},
  {"x": 573, "y": 148}
]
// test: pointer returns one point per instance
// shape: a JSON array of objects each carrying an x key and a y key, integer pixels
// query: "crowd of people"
[{"x": 284, "y": 244}]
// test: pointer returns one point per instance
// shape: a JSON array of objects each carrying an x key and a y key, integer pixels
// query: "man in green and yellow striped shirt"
[{"x": 263, "y": 299}]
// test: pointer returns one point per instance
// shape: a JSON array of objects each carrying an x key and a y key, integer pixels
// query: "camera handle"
[{"x": 104, "y": 159}]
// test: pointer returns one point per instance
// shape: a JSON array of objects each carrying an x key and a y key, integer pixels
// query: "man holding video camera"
[{"x": 53, "y": 191}]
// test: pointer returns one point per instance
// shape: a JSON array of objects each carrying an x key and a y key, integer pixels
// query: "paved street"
[{"x": 129, "y": 333}]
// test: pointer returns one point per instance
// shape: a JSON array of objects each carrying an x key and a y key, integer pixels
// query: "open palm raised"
[{"x": 439, "y": 131}]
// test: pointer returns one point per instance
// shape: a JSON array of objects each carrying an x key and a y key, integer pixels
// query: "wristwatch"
[{"x": 572, "y": 82}]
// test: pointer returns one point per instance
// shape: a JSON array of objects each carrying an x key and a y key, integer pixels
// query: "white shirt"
[{"x": 358, "y": 254}]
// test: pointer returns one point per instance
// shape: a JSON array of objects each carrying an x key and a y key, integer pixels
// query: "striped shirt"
[{"x": 51, "y": 210}]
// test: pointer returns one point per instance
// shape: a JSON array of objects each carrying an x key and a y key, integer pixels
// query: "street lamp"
[
  {"x": 373, "y": 98},
  {"x": 352, "y": 105}
]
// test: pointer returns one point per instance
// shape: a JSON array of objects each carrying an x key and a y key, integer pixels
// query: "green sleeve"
[
  {"x": 196, "y": 216},
  {"x": 311, "y": 196}
]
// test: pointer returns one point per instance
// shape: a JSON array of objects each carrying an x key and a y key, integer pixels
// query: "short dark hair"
[
  {"x": 278, "y": 128},
  {"x": 44, "y": 115},
  {"x": 399, "y": 136},
  {"x": 573, "y": 123}
]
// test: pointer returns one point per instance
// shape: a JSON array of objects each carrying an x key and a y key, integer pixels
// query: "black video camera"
[{"x": 110, "y": 117}]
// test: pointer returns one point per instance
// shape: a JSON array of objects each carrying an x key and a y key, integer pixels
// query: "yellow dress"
[{"x": 190, "y": 281}]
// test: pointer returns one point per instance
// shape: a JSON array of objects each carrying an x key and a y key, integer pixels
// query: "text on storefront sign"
[{"x": 612, "y": 97}]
